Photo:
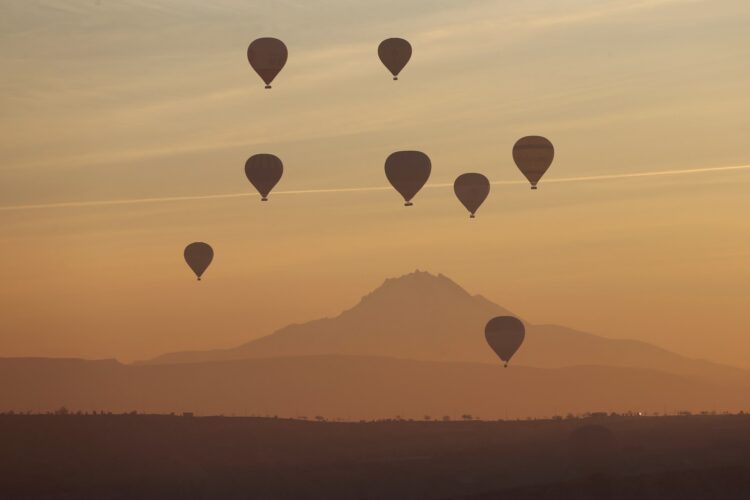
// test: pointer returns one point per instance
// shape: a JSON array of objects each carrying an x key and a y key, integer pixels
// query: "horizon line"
[{"x": 133, "y": 201}]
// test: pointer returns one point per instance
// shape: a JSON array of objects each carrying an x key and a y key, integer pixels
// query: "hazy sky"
[{"x": 111, "y": 100}]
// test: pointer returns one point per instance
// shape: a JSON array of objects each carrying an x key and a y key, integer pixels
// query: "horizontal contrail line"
[
  {"x": 650, "y": 174},
  {"x": 134, "y": 201}
]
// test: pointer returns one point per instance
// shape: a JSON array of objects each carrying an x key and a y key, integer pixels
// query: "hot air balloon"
[
  {"x": 267, "y": 56},
  {"x": 505, "y": 335},
  {"x": 533, "y": 156},
  {"x": 264, "y": 171},
  {"x": 408, "y": 171},
  {"x": 471, "y": 190},
  {"x": 394, "y": 53},
  {"x": 198, "y": 256}
]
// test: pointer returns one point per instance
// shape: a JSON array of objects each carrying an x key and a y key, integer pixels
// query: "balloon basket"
[
  {"x": 472, "y": 216},
  {"x": 268, "y": 86},
  {"x": 533, "y": 187},
  {"x": 264, "y": 199},
  {"x": 408, "y": 204},
  {"x": 395, "y": 78}
]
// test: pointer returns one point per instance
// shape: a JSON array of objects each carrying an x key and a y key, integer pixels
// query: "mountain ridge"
[{"x": 429, "y": 317}]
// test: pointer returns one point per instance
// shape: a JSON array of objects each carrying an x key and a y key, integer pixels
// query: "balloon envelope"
[
  {"x": 264, "y": 172},
  {"x": 471, "y": 189},
  {"x": 533, "y": 156},
  {"x": 505, "y": 335},
  {"x": 394, "y": 53},
  {"x": 198, "y": 256},
  {"x": 408, "y": 171},
  {"x": 267, "y": 56}
]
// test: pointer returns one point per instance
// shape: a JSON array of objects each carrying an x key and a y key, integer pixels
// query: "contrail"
[
  {"x": 649, "y": 174},
  {"x": 135, "y": 201}
]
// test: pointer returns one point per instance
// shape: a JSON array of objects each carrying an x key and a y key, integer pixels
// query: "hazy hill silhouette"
[
  {"x": 355, "y": 387},
  {"x": 426, "y": 317},
  {"x": 413, "y": 347}
]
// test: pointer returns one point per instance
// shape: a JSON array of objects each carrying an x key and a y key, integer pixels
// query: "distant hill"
[
  {"x": 431, "y": 318},
  {"x": 355, "y": 387},
  {"x": 415, "y": 346}
]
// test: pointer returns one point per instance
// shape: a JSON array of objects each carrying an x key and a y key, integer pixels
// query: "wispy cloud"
[
  {"x": 440, "y": 37},
  {"x": 605, "y": 10}
]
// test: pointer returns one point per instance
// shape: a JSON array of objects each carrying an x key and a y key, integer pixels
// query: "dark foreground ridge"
[{"x": 153, "y": 456}]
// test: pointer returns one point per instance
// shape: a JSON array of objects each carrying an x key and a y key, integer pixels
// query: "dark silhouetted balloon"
[
  {"x": 408, "y": 171},
  {"x": 267, "y": 56},
  {"x": 471, "y": 190},
  {"x": 533, "y": 156},
  {"x": 198, "y": 256},
  {"x": 394, "y": 53},
  {"x": 264, "y": 172},
  {"x": 505, "y": 335}
]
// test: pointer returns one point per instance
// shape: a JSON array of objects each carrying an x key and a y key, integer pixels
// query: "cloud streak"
[
  {"x": 446, "y": 35},
  {"x": 224, "y": 196}
]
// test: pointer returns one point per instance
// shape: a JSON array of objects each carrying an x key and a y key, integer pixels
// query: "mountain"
[
  {"x": 417, "y": 316},
  {"x": 355, "y": 387},
  {"x": 425, "y": 317},
  {"x": 414, "y": 346}
]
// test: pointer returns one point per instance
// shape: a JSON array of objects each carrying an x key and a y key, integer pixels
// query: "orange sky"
[{"x": 114, "y": 101}]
